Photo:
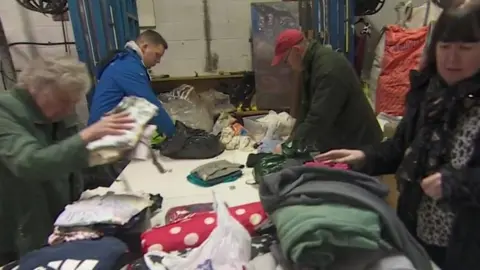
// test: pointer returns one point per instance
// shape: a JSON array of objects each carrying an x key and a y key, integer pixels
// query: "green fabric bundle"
[{"x": 312, "y": 235}]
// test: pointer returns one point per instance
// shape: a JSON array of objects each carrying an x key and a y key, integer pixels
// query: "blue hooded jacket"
[{"x": 126, "y": 75}]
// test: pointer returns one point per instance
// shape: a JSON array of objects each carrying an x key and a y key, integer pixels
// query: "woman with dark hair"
[{"x": 435, "y": 151}]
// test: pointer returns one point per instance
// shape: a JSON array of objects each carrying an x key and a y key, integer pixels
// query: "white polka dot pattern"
[
  {"x": 240, "y": 211},
  {"x": 191, "y": 239},
  {"x": 155, "y": 247},
  {"x": 195, "y": 228},
  {"x": 209, "y": 221},
  {"x": 255, "y": 219},
  {"x": 175, "y": 230}
]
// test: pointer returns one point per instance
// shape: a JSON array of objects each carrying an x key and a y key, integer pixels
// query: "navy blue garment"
[
  {"x": 126, "y": 75},
  {"x": 101, "y": 254}
]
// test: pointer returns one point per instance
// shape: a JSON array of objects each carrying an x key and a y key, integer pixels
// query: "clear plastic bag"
[
  {"x": 185, "y": 105},
  {"x": 217, "y": 102},
  {"x": 227, "y": 247}
]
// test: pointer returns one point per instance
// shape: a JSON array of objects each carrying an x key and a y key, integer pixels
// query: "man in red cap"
[{"x": 333, "y": 113}]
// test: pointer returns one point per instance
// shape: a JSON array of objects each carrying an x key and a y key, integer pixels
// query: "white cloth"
[
  {"x": 109, "y": 208},
  {"x": 109, "y": 148},
  {"x": 142, "y": 151},
  {"x": 264, "y": 262}
]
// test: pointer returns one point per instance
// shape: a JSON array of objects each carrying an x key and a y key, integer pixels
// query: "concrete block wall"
[
  {"x": 181, "y": 23},
  {"x": 22, "y": 25}
]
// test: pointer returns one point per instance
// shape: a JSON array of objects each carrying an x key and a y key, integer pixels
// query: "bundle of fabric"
[
  {"x": 193, "y": 230},
  {"x": 111, "y": 148},
  {"x": 189, "y": 143},
  {"x": 235, "y": 137},
  {"x": 101, "y": 213},
  {"x": 323, "y": 212},
  {"x": 107, "y": 253},
  {"x": 214, "y": 173}
]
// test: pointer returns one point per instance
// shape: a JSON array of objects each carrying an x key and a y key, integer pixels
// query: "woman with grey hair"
[{"x": 42, "y": 152}]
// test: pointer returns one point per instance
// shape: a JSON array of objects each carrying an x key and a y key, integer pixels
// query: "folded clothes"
[
  {"x": 194, "y": 230},
  {"x": 61, "y": 235},
  {"x": 216, "y": 169},
  {"x": 317, "y": 186},
  {"x": 110, "y": 148},
  {"x": 102, "y": 254},
  {"x": 311, "y": 235},
  {"x": 194, "y": 179},
  {"x": 110, "y": 208}
]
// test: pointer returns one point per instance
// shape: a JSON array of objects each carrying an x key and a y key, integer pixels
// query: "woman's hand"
[
  {"x": 432, "y": 186},
  {"x": 351, "y": 157},
  {"x": 111, "y": 124}
]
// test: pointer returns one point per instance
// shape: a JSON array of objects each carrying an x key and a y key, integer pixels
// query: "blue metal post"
[{"x": 100, "y": 26}]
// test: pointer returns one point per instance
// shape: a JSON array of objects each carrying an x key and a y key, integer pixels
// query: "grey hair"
[{"x": 57, "y": 74}]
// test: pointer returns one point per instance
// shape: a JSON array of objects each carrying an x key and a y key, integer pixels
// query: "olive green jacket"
[
  {"x": 334, "y": 112},
  {"x": 40, "y": 164}
]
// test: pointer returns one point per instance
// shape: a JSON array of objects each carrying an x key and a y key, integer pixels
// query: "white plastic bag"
[{"x": 227, "y": 248}]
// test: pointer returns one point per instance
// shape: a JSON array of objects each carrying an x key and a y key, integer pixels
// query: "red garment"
[
  {"x": 403, "y": 49},
  {"x": 181, "y": 212},
  {"x": 360, "y": 44},
  {"x": 194, "y": 229},
  {"x": 335, "y": 165}
]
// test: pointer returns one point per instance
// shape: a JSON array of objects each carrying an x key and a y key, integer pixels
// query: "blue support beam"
[
  {"x": 101, "y": 26},
  {"x": 333, "y": 23}
]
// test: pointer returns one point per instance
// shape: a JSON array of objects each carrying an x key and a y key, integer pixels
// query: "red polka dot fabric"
[{"x": 193, "y": 230}]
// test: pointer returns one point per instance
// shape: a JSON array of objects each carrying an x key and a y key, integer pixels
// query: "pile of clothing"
[
  {"x": 191, "y": 230},
  {"x": 336, "y": 219},
  {"x": 99, "y": 231},
  {"x": 215, "y": 172}
]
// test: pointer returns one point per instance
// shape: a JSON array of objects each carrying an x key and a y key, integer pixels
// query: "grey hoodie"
[{"x": 310, "y": 186}]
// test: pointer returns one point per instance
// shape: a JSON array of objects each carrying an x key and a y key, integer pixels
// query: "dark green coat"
[
  {"x": 333, "y": 112},
  {"x": 39, "y": 165}
]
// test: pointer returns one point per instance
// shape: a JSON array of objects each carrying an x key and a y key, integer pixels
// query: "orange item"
[{"x": 403, "y": 50}]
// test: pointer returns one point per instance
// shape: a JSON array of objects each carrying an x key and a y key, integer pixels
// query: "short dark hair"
[
  {"x": 152, "y": 37},
  {"x": 460, "y": 23}
]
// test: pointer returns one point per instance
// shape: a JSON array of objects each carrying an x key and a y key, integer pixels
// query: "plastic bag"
[
  {"x": 185, "y": 105},
  {"x": 267, "y": 165},
  {"x": 189, "y": 143},
  {"x": 227, "y": 248},
  {"x": 217, "y": 102}
]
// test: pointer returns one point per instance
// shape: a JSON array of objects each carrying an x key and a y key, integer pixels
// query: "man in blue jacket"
[{"x": 125, "y": 74}]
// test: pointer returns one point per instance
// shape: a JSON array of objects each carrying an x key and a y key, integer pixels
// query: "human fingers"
[
  {"x": 119, "y": 119},
  {"x": 347, "y": 159},
  {"x": 120, "y": 126},
  {"x": 330, "y": 155},
  {"x": 430, "y": 181},
  {"x": 114, "y": 131}
]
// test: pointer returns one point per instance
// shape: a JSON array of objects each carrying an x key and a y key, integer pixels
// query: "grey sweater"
[{"x": 311, "y": 186}]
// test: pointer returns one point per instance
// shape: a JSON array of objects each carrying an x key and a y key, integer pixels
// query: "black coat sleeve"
[
  {"x": 329, "y": 95},
  {"x": 385, "y": 157}
]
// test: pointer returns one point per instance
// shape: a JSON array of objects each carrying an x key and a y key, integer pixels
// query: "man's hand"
[
  {"x": 432, "y": 186},
  {"x": 277, "y": 149}
]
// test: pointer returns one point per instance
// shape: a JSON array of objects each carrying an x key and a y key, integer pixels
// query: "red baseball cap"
[{"x": 284, "y": 42}]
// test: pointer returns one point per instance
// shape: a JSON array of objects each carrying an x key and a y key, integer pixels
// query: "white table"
[{"x": 143, "y": 176}]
